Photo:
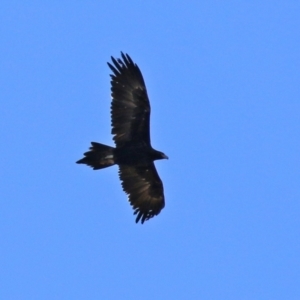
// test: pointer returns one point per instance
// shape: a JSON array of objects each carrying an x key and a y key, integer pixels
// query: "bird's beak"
[{"x": 165, "y": 156}]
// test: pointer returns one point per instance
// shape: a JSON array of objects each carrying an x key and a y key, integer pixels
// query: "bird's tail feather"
[{"x": 100, "y": 156}]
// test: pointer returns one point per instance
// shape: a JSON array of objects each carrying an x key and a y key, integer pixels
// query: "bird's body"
[{"x": 130, "y": 114}]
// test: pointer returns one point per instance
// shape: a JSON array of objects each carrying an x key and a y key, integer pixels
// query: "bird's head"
[{"x": 159, "y": 155}]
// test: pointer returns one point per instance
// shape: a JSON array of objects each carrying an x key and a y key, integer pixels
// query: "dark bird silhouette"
[{"x": 130, "y": 118}]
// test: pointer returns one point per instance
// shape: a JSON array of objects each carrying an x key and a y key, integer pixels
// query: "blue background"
[{"x": 224, "y": 84}]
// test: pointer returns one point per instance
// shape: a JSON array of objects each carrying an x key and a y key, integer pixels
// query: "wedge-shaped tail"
[{"x": 99, "y": 157}]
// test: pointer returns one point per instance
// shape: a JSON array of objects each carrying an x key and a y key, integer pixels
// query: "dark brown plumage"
[{"x": 130, "y": 118}]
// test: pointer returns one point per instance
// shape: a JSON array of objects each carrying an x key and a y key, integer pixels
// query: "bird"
[{"x": 133, "y": 153}]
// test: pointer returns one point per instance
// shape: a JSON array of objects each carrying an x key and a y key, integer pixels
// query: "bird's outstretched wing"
[
  {"x": 130, "y": 107},
  {"x": 144, "y": 188}
]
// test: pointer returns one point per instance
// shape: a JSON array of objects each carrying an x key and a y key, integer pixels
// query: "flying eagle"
[{"x": 130, "y": 119}]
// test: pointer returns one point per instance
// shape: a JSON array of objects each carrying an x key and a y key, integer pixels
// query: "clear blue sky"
[{"x": 223, "y": 79}]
